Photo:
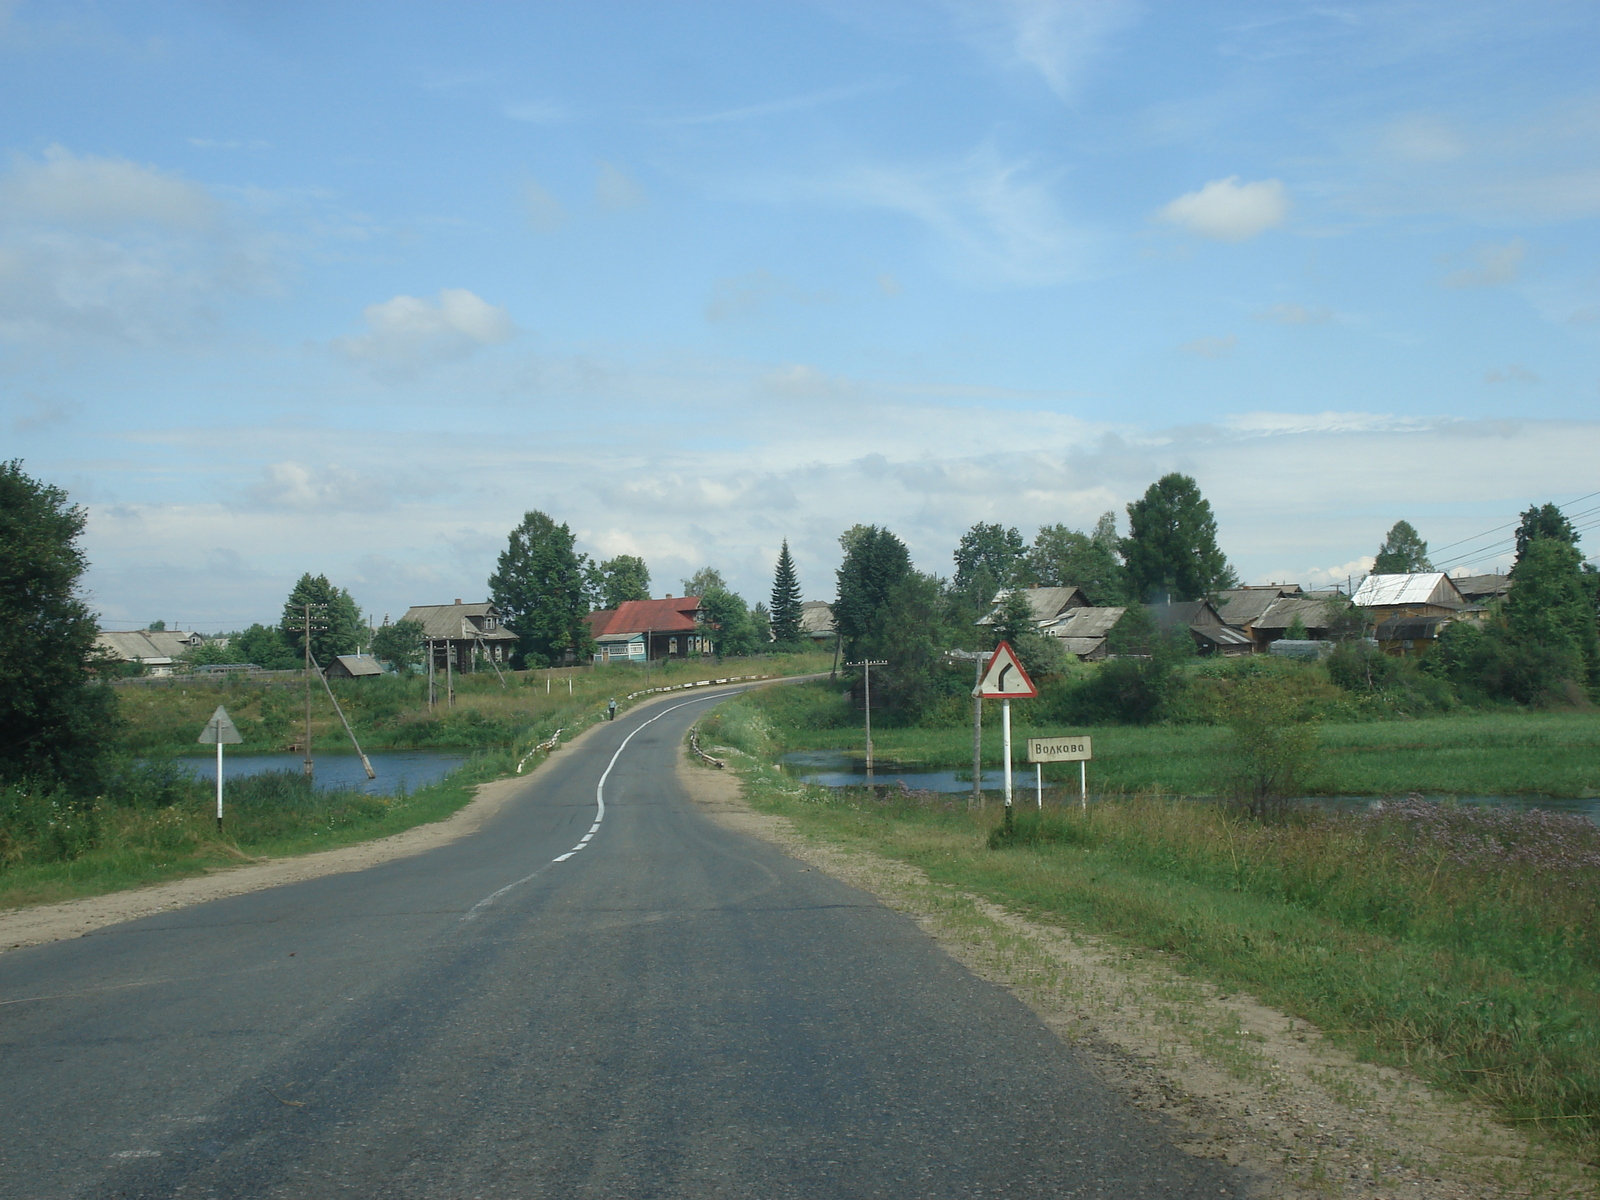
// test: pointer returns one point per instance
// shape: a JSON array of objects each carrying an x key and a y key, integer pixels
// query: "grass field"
[
  {"x": 1462, "y": 943},
  {"x": 1466, "y": 753},
  {"x": 170, "y": 832},
  {"x": 156, "y": 822},
  {"x": 392, "y": 713}
]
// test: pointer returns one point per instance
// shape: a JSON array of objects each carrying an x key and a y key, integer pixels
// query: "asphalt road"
[{"x": 672, "y": 1011}]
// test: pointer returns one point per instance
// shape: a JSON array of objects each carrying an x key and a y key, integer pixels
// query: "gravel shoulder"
[{"x": 1239, "y": 1080}]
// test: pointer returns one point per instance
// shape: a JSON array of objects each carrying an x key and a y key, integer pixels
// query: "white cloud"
[
  {"x": 44, "y": 412},
  {"x": 1211, "y": 347},
  {"x": 1230, "y": 211},
  {"x": 615, "y": 191},
  {"x": 1286, "y": 312},
  {"x": 1495, "y": 265},
  {"x": 750, "y": 295},
  {"x": 627, "y": 464},
  {"x": 543, "y": 211},
  {"x": 537, "y": 112},
  {"x": 97, "y": 249},
  {"x": 996, "y": 220},
  {"x": 328, "y": 489},
  {"x": 1059, "y": 40},
  {"x": 408, "y": 332},
  {"x": 1523, "y": 167},
  {"x": 1515, "y": 373}
]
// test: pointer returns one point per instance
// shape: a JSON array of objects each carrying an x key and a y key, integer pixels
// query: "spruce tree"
[
  {"x": 1403, "y": 552},
  {"x": 785, "y": 611},
  {"x": 1171, "y": 548}
]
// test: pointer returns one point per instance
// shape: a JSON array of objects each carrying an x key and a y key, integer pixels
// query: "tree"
[
  {"x": 1403, "y": 552},
  {"x": 266, "y": 647},
  {"x": 56, "y": 723},
  {"x": 1063, "y": 557},
  {"x": 1544, "y": 521},
  {"x": 335, "y": 620},
  {"x": 539, "y": 586},
  {"x": 1171, "y": 547},
  {"x": 874, "y": 562},
  {"x": 786, "y": 600},
  {"x": 156, "y": 626},
  {"x": 620, "y": 579},
  {"x": 988, "y": 558},
  {"x": 728, "y": 620},
  {"x": 704, "y": 580},
  {"x": 399, "y": 645},
  {"x": 1550, "y": 607},
  {"x": 210, "y": 654},
  {"x": 761, "y": 620}
]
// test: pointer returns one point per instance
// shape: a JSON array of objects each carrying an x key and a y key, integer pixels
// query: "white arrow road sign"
[{"x": 1005, "y": 679}]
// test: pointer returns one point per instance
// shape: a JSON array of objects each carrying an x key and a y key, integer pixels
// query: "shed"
[{"x": 353, "y": 666}]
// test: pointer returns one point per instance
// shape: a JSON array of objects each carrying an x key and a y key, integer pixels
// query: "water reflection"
[
  {"x": 842, "y": 768},
  {"x": 396, "y": 769}
]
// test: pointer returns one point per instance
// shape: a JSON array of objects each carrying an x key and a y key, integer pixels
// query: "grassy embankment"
[
  {"x": 1468, "y": 753},
  {"x": 1462, "y": 943},
  {"x": 156, "y": 822}
]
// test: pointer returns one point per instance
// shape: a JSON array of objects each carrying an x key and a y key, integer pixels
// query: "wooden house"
[
  {"x": 460, "y": 636},
  {"x": 648, "y": 630}
]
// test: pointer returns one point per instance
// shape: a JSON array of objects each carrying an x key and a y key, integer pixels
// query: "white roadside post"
[
  {"x": 1005, "y": 680},
  {"x": 1063, "y": 749},
  {"x": 221, "y": 730}
]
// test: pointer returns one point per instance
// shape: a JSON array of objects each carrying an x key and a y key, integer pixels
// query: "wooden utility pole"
[{"x": 307, "y": 765}]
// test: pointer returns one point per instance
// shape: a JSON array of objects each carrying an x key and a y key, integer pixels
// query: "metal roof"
[
  {"x": 1433, "y": 587},
  {"x": 674, "y": 614},
  {"x": 1047, "y": 603}
]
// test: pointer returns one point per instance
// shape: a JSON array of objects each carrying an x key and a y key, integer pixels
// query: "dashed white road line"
[{"x": 599, "y": 814}]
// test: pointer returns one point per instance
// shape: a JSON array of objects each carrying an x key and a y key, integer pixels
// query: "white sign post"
[
  {"x": 221, "y": 730},
  {"x": 1063, "y": 749},
  {"x": 1005, "y": 680}
]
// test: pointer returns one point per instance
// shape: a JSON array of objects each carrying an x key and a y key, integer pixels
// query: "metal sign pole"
[
  {"x": 1038, "y": 783},
  {"x": 1005, "y": 726},
  {"x": 1083, "y": 783},
  {"x": 219, "y": 730}
]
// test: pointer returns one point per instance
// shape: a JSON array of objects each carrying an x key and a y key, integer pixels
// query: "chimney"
[{"x": 458, "y": 599}]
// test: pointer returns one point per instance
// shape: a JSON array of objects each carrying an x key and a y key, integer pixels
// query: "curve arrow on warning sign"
[{"x": 1004, "y": 678}]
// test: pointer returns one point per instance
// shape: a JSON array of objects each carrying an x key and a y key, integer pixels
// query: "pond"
[
  {"x": 845, "y": 768},
  {"x": 396, "y": 769}
]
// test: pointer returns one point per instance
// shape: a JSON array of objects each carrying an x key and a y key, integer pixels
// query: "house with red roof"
[{"x": 647, "y": 630}]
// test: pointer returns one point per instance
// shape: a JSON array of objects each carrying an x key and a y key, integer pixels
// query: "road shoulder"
[{"x": 1242, "y": 1081}]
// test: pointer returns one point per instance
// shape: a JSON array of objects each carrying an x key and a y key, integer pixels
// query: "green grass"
[
  {"x": 1464, "y": 944},
  {"x": 392, "y": 712},
  {"x": 171, "y": 833},
  {"x": 155, "y": 822},
  {"x": 1465, "y": 753}
]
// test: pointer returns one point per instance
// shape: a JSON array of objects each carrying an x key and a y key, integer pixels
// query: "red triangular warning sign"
[{"x": 1004, "y": 678}]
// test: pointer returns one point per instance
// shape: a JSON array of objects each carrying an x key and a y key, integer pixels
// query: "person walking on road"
[{"x": 611, "y": 710}]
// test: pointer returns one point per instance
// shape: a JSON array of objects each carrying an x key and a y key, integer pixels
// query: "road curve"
[{"x": 673, "y": 1010}]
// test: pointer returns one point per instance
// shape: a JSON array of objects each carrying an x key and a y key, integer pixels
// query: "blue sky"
[{"x": 347, "y": 288}]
